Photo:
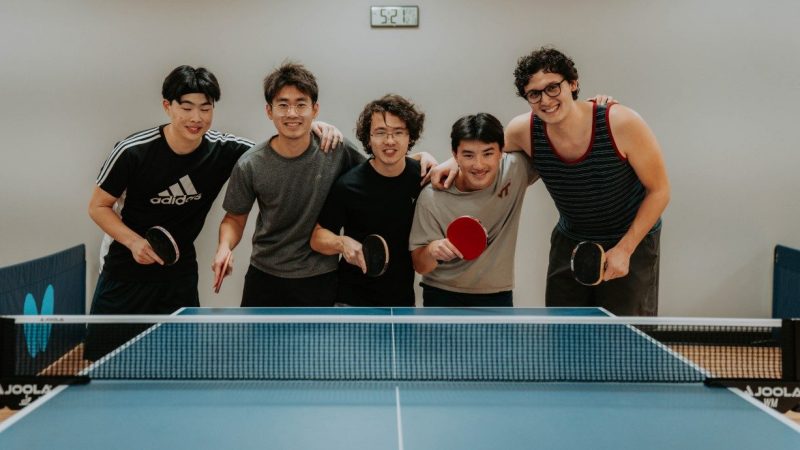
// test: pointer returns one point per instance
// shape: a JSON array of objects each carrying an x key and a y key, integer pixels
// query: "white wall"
[{"x": 718, "y": 82}]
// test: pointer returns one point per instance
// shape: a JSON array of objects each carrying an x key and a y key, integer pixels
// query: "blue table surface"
[{"x": 395, "y": 415}]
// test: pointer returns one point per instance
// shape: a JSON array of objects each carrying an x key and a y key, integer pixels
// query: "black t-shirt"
[
  {"x": 364, "y": 202},
  {"x": 163, "y": 188}
]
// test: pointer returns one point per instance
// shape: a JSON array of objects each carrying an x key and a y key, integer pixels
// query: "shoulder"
[
  {"x": 630, "y": 132},
  {"x": 254, "y": 154},
  {"x": 228, "y": 141},
  {"x": 518, "y": 133},
  {"x": 139, "y": 139},
  {"x": 622, "y": 118}
]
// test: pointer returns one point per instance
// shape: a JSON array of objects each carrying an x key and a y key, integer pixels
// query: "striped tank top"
[{"x": 598, "y": 194}]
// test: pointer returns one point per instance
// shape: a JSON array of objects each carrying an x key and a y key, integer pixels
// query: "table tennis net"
[{"x": 391, "y": 348}]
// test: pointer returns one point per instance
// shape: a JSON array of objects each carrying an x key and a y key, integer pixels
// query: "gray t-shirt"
[
  {"x": 498, "y": 207},
  {"x": 290, "y": 194}
]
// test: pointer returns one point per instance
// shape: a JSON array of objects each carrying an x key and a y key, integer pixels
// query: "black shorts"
[
  {"x": 263, "y": 289},
  {"x": 134, "y": 297},
  {"x": 635, "y": 294},
  {"x": 432, "y": 296},
  {"x": 144, "y": 297}
]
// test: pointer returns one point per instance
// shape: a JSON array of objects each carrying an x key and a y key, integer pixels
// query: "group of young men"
[{"x": 319, "y": 197}]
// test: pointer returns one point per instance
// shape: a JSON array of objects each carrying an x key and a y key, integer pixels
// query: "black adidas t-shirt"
[
  {"x": 364, "y": 202},
  {"x": 163, "y": 188}
]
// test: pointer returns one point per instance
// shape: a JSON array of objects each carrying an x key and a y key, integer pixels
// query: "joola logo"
[
  {"x": 178, "y": 194},
  {"x": 38, "y": 334},
  {"x": 25, "y": 389},
  {"x": 773, "y": 391}
]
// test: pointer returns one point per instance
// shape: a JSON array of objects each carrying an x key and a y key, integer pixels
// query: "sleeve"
[
  {"x": 523, "y": 165},
  {"x": 117, "y": 171},
  {"x": 425, "y": 228},
  {"x": 332, "y": 216},
  {"x": 241, "y": 195}
]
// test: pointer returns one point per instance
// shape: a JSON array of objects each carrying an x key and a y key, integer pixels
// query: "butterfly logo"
[{"x": 38, "y": 334}]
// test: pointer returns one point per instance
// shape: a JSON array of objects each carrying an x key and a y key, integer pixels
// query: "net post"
[
  {"x": 790, "y": 349},
  {"x": 7, "y": 347}
]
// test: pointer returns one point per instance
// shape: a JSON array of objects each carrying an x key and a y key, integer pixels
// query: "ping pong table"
[{"x": 405, "y": 415}]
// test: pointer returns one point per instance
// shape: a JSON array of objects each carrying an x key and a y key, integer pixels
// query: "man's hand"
[
  {"x": 443, "y": 175},
  {"x": 222, "y": 255},
  {"x": 443, "y": 250},
  {"x": 427, "y": 162},
  {"x": 617, "y": 263},
  {"x": 330, "y": 136},
  {"x": 143, "y": 253},
  {"x": 352, "y": 253},
  {"x": 603, "y": 100}
]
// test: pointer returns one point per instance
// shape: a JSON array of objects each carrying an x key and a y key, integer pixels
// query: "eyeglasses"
[
  {"x": 396, "y": 134},
  {"x": 534, "y": 96},
  {"x": 283, "y": 109}
]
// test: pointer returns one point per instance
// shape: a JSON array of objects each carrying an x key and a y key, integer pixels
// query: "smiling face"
[
  {"x": 292, "y": 112},
  {"x": 389, "y": 143},
  {"x": 190, "y": 118},
  {"x": 551, "y": 109},
  {"x": 478, "y": 164}
]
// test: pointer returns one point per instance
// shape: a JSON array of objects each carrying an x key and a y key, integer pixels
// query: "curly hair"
[
  {"x": 396, "y": 105},
  {"x": 290, "y": 74},
  {"x": 545, "y": 59}
]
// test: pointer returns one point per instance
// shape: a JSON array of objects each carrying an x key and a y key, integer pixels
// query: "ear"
[
  {"x": 573, "y": 85},
  {"x": 268, "y": 110},
  {"x": 165, "y": 104},
  {"x": 315, "y": 110}
]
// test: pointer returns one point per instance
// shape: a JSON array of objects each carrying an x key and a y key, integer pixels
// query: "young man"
[
  {"x": 375, "y": 197},
  {"x": 604, "y": 169},
  {"x": 290, "y": 178},
  {"x": 490, "y": 186},
  {"x": 165, "y": 176}
]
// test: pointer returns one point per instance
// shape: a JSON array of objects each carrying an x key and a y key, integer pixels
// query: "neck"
[
  {"x": 388, "y": 171},
  {"x": 178, "y": 144},
  {"x": 290, "y": 147},
  {"x": 462, "y": 185},
  {"x": 573, "y": 121}
]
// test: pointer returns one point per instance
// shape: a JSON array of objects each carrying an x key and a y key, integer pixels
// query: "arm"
[
  {"x": 329, "y": 135},
  {"x": 426, "y": 162},
  {"x": 637, "y": 143},
  {"x": 327, "y": 242},
  {"x": 230, "y": 233},
  {"x": 101, "y": 211}
]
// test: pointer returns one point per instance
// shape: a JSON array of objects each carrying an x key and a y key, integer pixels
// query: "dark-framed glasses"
[
  {"x": 552, "y": 90},
  {"x": 396, "y": 134}
]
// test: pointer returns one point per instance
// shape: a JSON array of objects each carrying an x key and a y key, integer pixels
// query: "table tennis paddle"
[
  {"x": 163, "y": 244},
  {"x": 588, "y": 263},
  {"x": 467, "y": 235},
  {"x": 222, "y": 273},
  {"x": 376, "y": 255}
]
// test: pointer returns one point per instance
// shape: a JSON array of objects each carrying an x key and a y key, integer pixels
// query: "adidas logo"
[{"x": 177, "y": 194}]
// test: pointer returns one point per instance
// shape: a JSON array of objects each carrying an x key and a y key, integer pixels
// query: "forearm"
[
  {"x": 326, "y": 242},
  {"x": 423, "y": 260},
  {"x": 231, "y": 229},
  {"x": 651, "y": 209},
  {"x": 108, "y": 221}
]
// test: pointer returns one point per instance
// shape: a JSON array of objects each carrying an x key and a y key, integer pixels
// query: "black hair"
[
  {"x": 189, "y": 80},
  {"x": 482, "y": 127}
]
